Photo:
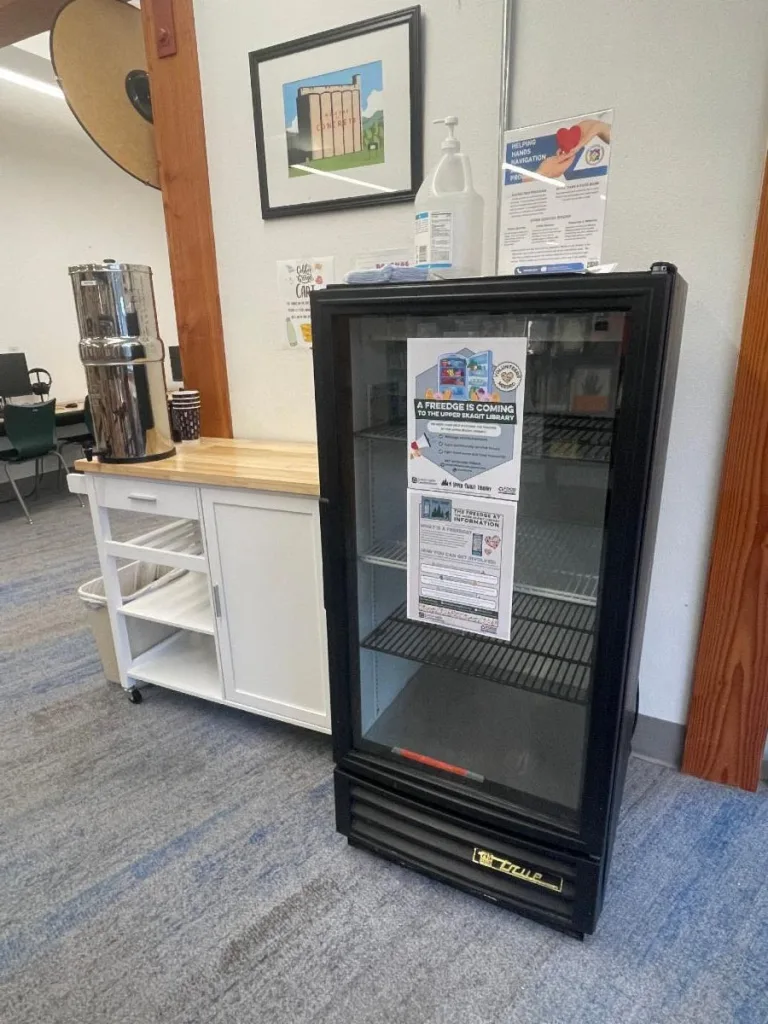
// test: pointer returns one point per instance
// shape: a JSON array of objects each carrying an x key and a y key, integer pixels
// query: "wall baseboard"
[{"x": 661, "y": 741}]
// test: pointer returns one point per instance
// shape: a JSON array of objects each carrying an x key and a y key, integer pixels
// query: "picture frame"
[{"x": 338, "y": 117}]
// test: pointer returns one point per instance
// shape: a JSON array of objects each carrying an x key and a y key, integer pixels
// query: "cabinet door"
[{"x": 265, "y": 560}]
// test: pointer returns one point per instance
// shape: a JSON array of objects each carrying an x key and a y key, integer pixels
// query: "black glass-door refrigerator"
[{"x": 494, "y": 764}]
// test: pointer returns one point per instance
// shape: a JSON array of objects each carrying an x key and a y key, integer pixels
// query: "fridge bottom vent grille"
[
  {"x": 417, "y": 836},
  {"x": 550, "y": 651}
]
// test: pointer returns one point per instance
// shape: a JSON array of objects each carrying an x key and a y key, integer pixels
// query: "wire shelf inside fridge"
[
  {"x": 557, "y": 559},
  {"x": 555, "y": 436},
  {"x": 549, "y": 653},
  {"x": 545, "y": 436},
  {"x": 552, "y": 559},
  {"x": 394, "y": 431},
  {"x": 391, "y": 553}
]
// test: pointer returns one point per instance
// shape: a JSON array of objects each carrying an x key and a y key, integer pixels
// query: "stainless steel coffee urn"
[{"x": 123, "y": 357}]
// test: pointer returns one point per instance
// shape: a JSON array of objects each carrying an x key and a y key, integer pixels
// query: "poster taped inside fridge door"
[
  {"x": 465, "y": 410},
  {"x": 461, "y": 561}
]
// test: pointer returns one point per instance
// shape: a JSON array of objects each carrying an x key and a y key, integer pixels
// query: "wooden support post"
[
  {"x": 728, "y": 717},
  {"x": 181, "y": 153}
]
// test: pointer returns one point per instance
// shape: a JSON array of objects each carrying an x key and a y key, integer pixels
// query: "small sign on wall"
[
  {"x": 553, "y": 195},
  {"x": 296, "y": 280}
]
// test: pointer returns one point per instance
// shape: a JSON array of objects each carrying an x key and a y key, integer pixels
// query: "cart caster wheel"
[{"x": 134, "y": 696}]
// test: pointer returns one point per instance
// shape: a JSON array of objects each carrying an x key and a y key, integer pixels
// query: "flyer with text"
[
  {"x": 465, "y": 415},
  {"x": 461, "y": 558},
  {"x": 553, "y": 195},
  {"x": 296, "y": 280}
]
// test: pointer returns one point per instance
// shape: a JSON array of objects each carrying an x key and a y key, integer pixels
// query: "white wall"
[
  {"x": 460, "y": 36},
  {"x": 62, "y": 202},
  {"x": 39, "y": 45},
  {"x": 689, "y": 81}
]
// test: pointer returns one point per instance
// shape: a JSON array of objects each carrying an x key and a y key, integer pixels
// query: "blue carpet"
[{"x": 176, "y": 862}]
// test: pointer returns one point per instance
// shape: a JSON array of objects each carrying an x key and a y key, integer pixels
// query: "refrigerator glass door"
[{"x": 510, "y": 718}]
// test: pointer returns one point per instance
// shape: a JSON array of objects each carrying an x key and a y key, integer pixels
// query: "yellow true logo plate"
[{"x": 544, "y": 879}]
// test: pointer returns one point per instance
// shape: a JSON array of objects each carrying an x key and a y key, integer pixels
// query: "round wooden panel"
[{"x": 95, "y": 44}]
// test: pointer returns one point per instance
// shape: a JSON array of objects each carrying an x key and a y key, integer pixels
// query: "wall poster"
[
  {"x": 553, "y": 195},
  {"x": 296, "y": 280}
]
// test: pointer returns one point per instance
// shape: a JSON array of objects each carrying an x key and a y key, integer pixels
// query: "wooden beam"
[
  {"x": 180, "y": 143},
  {"x": 20, "y": 19},
  {"x": 728, "y": 717}
]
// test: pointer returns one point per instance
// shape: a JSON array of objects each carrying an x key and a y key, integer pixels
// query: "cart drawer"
[{"x": 138, "y": 495}]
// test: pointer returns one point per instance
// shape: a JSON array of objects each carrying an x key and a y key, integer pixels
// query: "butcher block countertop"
[{"x": 285, "y": 466}]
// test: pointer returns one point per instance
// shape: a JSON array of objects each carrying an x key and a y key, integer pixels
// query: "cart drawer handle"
[{"x": 143, "y": 497}]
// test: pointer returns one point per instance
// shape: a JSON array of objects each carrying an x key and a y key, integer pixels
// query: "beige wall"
[
  {"x": 689, "y": 82},
  {"x": 63, "y": 202},
  {"x": 271, "y": 390}
]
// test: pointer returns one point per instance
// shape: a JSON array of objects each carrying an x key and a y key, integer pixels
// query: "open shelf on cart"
[
  {"x": 184, "y": 661},
  {"x": 178, "y": 544},
  {"x": 183, "y": 602},
  {"x": 550, "y": 650},
  {"x": 552, "y": 559}
]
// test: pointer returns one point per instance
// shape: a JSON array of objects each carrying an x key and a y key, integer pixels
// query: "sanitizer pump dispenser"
[{"x": 449, "y": 214}]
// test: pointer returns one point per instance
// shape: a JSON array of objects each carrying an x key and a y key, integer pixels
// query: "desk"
[{"x": 64, "y": 417}]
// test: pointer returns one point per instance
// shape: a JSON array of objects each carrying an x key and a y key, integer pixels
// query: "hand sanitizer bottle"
[{"x": 449, "y": 214}]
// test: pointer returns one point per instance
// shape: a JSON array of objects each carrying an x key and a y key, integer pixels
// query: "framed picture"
[{"x": 338, "y": 117}]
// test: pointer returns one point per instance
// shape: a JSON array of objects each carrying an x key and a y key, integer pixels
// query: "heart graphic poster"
[{"x": 553, "y": 196}]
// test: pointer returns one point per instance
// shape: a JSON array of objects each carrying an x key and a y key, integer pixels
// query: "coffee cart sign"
[{"x": 296, "y": 280}]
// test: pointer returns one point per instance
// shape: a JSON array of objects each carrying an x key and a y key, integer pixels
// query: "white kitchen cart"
[{"x": 243, "y": 621}]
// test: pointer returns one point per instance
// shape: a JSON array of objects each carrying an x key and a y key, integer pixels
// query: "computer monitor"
[
  {"x": 14, "y": 375},
  {"x": 176, "y": 372}
]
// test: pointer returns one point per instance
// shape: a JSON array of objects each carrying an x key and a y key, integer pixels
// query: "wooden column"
[
  {"x": 728, "y": 717},
  {"x": 180, "y": 143}
]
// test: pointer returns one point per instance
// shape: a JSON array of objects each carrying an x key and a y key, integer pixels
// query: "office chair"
[
  {"x": 85, "y": 439},
  {"x": 31, "y": 429}
]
